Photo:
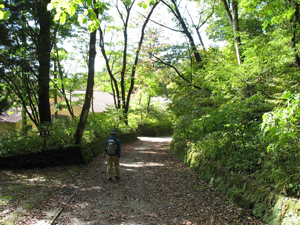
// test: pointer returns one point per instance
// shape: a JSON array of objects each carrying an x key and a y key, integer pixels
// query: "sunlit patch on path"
[{"x": 155, "y": 188}]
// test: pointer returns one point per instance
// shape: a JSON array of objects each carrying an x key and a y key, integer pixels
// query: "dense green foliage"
[
  {"x": 61, "y": 135},
  {"x": 156, "y": 122},
  {"x": 246, "y": 117}
]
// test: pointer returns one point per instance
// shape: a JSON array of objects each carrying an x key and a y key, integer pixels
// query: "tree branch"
[
  {"x": 177, "y": 71},
  {"x": 63, "y": 92},
  {"x": 228, "y": 10},
  {"x": 114, "y": 83},
  {"x": 180, "y": 31}
]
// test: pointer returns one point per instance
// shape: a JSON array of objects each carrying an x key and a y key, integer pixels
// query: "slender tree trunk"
[
  {"x": 234, "y": 20},
  {"x": 148, "y": 105},
  {"x": 294, "y": 28},
  {"x": 89, "y": 88},
  {"x": 236, "y": 29},
  {"x": 24, "y": 45},
  {"x": 136, "y": 62},
  {"x": 114, "y": 84},
  {"x": 123, "y": 96},
  {"x": 185, "y": 30},
  {"x": 226, "y": 6},
  {"x": 93, "y": 103},
  {"x": 63, "y": 91},
  {"x": 200, "y": 38},
  {"x": 43, "y": 50},
  {"x": 55, "y": 93}
]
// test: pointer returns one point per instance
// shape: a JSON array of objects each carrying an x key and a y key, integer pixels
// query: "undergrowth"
[
  {"x": 248, "y": 136},
  {"x": 61, "y": 132}
]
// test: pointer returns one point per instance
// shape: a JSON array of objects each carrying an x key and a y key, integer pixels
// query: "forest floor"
[{"x": 155, "y": 188}]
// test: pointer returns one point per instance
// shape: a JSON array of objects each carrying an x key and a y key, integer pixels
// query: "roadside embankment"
[{"x": 270, "y": 207}]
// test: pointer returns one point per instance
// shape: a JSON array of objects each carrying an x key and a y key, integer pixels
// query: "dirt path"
[{"x": 155, "y": 188}]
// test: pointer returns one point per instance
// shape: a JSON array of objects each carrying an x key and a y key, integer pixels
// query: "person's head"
[{"x": 114, "y": 132}]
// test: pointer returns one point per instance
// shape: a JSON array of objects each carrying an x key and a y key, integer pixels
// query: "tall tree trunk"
[
  {"x": 114, "y": 83},
  {"x": 55, "y": 93},
  {"x": 43, "y": 51},
  {"x": 124, "y": 67},
  {"x": 188, "y": 34},
  {"x": 294, "y": 28},
  {"x": 89, "y": 88},
  {"x": 234, "y": 20},
  {"x": 24, "y": 46},
  {"x": 136, "y": 62},
  {"x": 227, "y": 9},
  {"x": 236, "y": 29},
  {"x": 148, "y": 105},
  {"x": 63, "y": 91},
  {"x": 125, "y": 97}
]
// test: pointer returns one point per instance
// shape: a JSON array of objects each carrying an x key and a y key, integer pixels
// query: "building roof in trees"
[
  {"x": 13, "y": 115},
  {"x": 100, "y": 102}
]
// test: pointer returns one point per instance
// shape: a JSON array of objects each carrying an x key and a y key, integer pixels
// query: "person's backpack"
[{"x": 111, "y": 147}]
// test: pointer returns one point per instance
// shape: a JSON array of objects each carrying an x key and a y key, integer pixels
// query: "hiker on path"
[{"x": 113, "y": 154}]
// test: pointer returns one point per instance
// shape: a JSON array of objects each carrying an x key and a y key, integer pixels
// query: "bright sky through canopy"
[{"x": 189, "y": 10}]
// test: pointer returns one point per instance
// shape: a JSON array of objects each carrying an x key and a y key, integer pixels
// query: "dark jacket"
[{"x": 118, "y": 142}]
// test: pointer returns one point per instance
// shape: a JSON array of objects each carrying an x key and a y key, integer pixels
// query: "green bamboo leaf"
[
  {"x": 93, "y": 16},
  {"x": 6, "y": 14},
  {"x": 128, "y": 2},
  {"x": 101, "y": 10},
  {"x": 89, "y": 2},
  {"x": 63, "y": 18},
  {"x": 72, "y": 10},
  {"x": 97, "y": 24},
  {"x": 152, "y": 2},
  {"x": 91, "y": 28}
]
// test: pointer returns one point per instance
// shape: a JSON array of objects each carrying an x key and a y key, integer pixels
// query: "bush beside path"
[{"x": 155, "y": 188}]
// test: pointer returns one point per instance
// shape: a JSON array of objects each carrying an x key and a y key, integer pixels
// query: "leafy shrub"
[
  {"x": 281, "y": 126},
  {"x": 248, "y": 136},
  {"x": 11, "y": 145},
  {"x": 152, "y": 119},
  {"x": 155, "y": 128},
  {"x": 229, "y": 134},
  {"x": 23, "y": 147},
  {"x": 280, "y": 160}
]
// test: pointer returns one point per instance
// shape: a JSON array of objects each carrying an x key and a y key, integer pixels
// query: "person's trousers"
[{"x": 113, "y": 161}]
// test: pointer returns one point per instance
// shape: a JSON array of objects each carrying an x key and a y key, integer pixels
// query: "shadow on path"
[{"x": 155, "y": 188}]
